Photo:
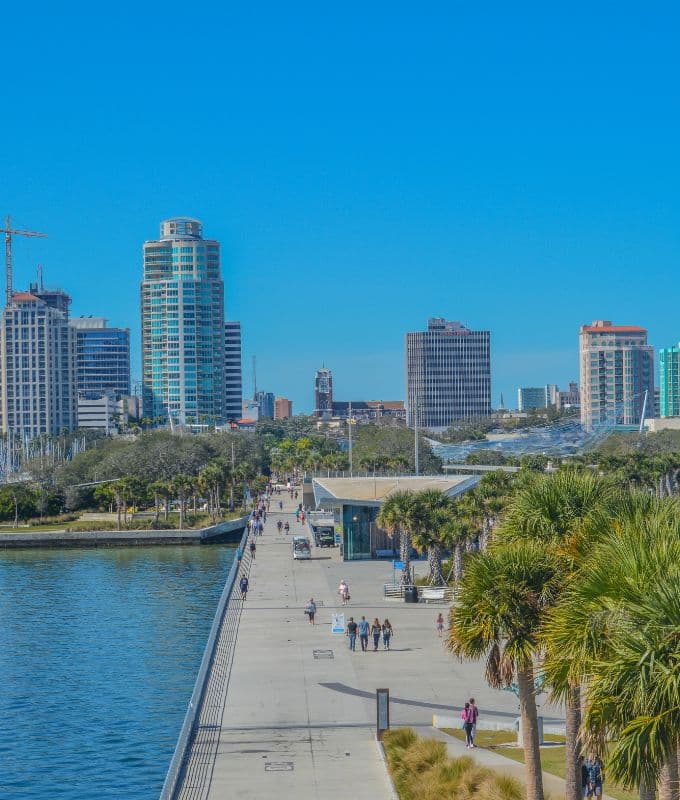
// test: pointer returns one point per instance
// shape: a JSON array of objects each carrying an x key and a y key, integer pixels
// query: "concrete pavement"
[{"x": 299, "y": 715}]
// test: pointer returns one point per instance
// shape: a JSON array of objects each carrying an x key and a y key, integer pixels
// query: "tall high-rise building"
[
  {"x": 323, "y": 393},
  {"x": 669, "y": 381},
  {"x": 283, "y": 408},
  {"x": 532, "y": 397},
  {"x": 617, "y": 370},
  {"x": 102, "y": 356},
  {"x": 265, "y": 404},
  {"x": 448, "y": 374},
  {"x": 183, "y": 325},
  {"x": 233, "y": 371},
  {"x": 37, "y": 355}
]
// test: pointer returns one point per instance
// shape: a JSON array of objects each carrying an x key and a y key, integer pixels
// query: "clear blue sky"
[{"x": 365, "y": 166}]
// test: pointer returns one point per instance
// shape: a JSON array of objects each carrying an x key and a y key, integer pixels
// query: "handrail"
[
  {"x": 397, "y": 590},
  {"x": 188, "y": 729}
]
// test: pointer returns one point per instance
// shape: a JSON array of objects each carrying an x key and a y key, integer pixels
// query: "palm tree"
[
  {"x": 563, "y": 513},
  {"x": 616, "y": 630},
  {"x": 504, "y": 593},
  {"x": 425, "y": 518},
  {"x": 182, "y": 486},
  {"x": 393, "y": 517}
]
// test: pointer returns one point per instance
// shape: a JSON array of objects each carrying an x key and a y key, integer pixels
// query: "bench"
[{"x": 433, "y": 595}]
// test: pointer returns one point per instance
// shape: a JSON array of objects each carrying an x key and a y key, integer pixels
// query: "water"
[{"x": 99, "y": 650}]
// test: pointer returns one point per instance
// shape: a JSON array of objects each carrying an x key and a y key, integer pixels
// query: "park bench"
[{"x": 437, "y": 594}]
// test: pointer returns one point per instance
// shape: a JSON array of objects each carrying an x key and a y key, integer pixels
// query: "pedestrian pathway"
[{"x": 298, "y": 719}]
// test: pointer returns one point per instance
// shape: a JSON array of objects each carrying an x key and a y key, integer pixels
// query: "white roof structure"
[{"x": 372, "y": 491}]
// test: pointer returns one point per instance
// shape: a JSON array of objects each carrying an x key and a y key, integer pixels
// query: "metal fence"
[
  {"x": 197, "y": 742},
  {"x": 425, "y": 594}
]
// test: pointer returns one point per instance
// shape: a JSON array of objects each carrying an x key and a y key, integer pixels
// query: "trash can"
[{"x": 411, "y": 594}]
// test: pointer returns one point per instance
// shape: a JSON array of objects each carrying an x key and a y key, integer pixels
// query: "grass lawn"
[{"x": 552, "y": 758}]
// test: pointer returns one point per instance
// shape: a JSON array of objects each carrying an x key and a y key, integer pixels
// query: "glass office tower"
[
  {"x": 183, "y": 326},
  {"x": 102, "y": 356}
]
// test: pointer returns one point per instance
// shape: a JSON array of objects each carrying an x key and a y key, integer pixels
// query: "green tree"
[
  {"x": 394, "y": 518},
  {"x": 498, "y": 616},
  {"x": 426, "y": 519},
  {"x": 182, "y": 486}
]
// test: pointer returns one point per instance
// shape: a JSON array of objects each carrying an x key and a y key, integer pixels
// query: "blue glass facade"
[{"x": 102, "y": 359}]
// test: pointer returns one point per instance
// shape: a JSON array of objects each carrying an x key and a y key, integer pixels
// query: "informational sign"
[
  {"x": 382, "y": 697},
  {"x": 337, "y": 623},
  {"x": 398, "y": 564},
  {"x": 338, "y": 539}
]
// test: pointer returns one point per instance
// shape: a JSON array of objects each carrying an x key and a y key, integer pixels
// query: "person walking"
[
  {"x": 280, "y": 505},
  {"x": 387, "y": 632},
  {"x": 351, "y": 633},
  {"x": 252, "y": 549},
  {"x": 474, "y": 713},
  {"x": 593, "y": 766},
  {"x": 310, "y": 610},
  {"x": 343, "y": 591},
  {"x": 466, "y": 716},
  {"x": 376, "y": 630},
  {"x": 363, "y": 633},
  {"x": 243, "y": 586},
  {"x": 440, "y": 624}
]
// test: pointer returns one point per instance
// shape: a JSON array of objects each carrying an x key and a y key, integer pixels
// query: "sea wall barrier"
[
  {"x": 199, "y": 734},
  {"x": 228, "y": 531}
]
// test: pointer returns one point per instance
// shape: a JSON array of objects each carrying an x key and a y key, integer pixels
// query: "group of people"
[
  {"x": 364, "y": 629},
  {"x": 469, "y": 716},
  {"x": 592, "y": 776}
]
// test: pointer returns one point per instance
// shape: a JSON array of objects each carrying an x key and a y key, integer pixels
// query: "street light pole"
[{"x": 349, "y": 427}]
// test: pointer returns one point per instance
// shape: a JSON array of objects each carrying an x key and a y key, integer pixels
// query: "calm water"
[{"x": 99, "y": 650}]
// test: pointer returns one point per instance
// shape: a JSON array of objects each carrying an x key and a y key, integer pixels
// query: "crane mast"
[{"x": 9, "y": 232}]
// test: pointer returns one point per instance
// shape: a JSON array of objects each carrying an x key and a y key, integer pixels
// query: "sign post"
[
  {"x": 382, "y": 697},
  {"x": 338, "y": 623}
]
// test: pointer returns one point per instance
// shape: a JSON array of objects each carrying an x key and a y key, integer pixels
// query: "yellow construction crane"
[{"x": 9, "y": 232}]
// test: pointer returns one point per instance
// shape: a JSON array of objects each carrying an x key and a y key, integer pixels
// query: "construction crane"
[{"x": 9, "y": 232}]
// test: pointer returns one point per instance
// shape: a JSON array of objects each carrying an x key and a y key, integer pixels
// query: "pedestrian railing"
[
  {"x": 425, "y": 594},
  {"x": 190, "y": 764}
]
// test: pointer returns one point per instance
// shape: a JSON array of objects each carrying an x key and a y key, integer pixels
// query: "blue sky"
[{"x": 365, "y": 166}]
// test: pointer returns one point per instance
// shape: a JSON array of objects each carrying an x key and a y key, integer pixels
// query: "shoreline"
[{"x": 230, "y": 531}]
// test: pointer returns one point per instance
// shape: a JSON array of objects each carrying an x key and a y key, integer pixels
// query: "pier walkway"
[{"x": 298, "y": 718}]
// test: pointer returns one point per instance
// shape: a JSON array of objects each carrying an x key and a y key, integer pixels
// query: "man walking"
[
  {"x": 351, "y": 633},
  {"x": 243, "y": 586},
  {"x": 474, "y": 713},
  {"x": 363, "y": 634}
]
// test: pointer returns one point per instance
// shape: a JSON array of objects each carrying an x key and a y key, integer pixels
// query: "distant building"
[
  {"x": 233, "y": 370},
  {"x": 570, "y": 398},
  {"x": 283, "y": 408},
  {"x": 617, "y": 371},
  {"x": 265, "y": 404},
  {"x": 102, "y": 356},
  {"x": 669, "y": 381},
  {"x": 532, "y": 397},
  {"x": 98, "y": 411},
  {"x": 323, "y": 393},
  {"x": 183, "y": 334},
  {"x": 367, "y": 410},
  {"x": 37, "y": 356},
  {"x": 448, "y": 374}
]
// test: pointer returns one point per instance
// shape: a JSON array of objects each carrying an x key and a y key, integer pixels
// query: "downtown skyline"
[{"x": 517, "y": 171}]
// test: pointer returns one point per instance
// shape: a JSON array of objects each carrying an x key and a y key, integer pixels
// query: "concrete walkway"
[{"x": 299, "y": 716}]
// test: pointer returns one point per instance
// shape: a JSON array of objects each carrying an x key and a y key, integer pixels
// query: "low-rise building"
[{"x": 98, "y": 411}]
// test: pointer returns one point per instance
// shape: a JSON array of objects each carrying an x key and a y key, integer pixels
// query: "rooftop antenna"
[
  {"x": 254, "y": 377},
  {"x": 40, "y": 277}
]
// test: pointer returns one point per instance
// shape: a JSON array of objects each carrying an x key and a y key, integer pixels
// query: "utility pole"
[
  {"x": 417, "y": 443},
  {"x": 349, "y": 427},
  {"x": 9, "y": 232}
]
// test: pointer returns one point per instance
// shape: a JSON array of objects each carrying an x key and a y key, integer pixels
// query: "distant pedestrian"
[
  {"x": 351, "y": 633},
  {"x": 343, "y": 591},
  {"x": 387, "y": 632},
  {"x": 243, "y": 586},
  {"x": 310, "y": 610},
  {"x": 593, "y": 766},
  {"x": 376, "y": 630},
  {"x": 466, "y": 716},
  {"x": 364, "y": 627},
  {"x": 474, "y": 713},
  {"x": 286, "y": 527},
  {"x": 252, "y": 549},
  {"x": 280, "y": 505},
  {"x": 440, "y": 624},
  {"x": 296, "y": 494}
]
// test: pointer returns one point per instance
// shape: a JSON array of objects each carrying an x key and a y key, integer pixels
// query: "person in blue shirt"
[{"x": 364, "y": 628}]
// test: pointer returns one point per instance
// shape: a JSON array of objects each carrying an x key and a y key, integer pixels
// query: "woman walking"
[
  {"x": 376, "y": 630},
  {"x": 310, "y": 610},
  {"x": 466, "y": 716},
  {"x": 387, "y": 632},
  {"x": 343, "y": 591},
  {"x": 440, "y": 624}
]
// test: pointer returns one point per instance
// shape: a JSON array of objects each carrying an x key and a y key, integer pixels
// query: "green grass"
[
  {"x": 552, "y": 758},
  {"x": 197, "y": 521}
]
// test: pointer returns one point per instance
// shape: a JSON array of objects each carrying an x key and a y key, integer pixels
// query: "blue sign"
[{"x": 398, "y": 564}]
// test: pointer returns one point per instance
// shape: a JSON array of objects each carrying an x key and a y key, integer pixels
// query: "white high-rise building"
[
  {"x": 183, "y": 326},
  {"x": 38, "y": 355},
  {"x": 448, "y": 374}
]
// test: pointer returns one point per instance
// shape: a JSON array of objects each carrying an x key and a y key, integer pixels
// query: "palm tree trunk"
[
  {"x": 457, "y": 563},
  {"x": 647, "y": 792},
  {"x": 669, "y": 780},
  {"x": 573, "y": 744},
  {"x": 434, "y": 557},
  {"x": 529, "y": 715},
  {"x": 181, "y": 511},
  {"x": 118, "y": 505},
  {"x": 405, "y": 553}
]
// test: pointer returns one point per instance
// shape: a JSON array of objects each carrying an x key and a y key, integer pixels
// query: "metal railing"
[
  {"x": 200, "y": 729},
  {"x": 442, "y": 594}
]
